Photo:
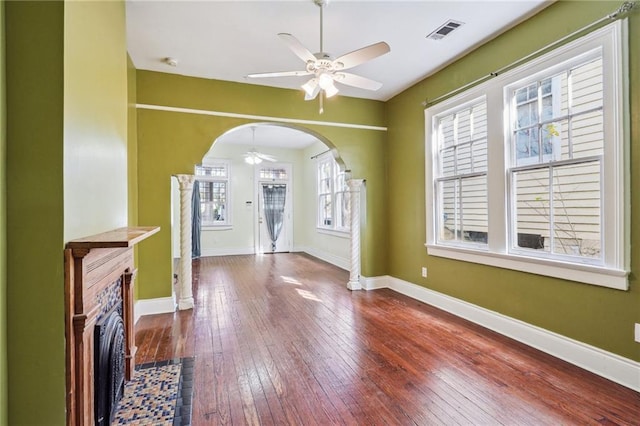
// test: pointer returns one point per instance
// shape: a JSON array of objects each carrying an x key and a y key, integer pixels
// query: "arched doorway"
[
  {"x": 302, "y": 165},
  {"x": 272, "y": 166}
]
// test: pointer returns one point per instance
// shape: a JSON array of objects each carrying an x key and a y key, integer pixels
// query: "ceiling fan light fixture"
[
  {"x": 325, "y": 81},
  {"x": 331, "y": 90},
  {"x": 253, "y": 159},
  {"x": 310, "y": 86}
]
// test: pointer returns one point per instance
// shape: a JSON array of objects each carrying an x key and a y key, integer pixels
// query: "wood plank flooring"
[{"x": 278, "y": 340}]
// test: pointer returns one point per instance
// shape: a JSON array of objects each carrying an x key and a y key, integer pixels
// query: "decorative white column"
[
  {"x": 354, "y": 200},
  {"x": 184, "y": 293}
]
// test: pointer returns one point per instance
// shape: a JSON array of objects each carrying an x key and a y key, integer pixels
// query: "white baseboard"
[
  {"x": 374, "y": 283},
  {"x": 231, "y": 251},
  {"x": 161, "y": 305},
  {"x": 340, "y": 262},
  {"x": 606, "y": 364}
]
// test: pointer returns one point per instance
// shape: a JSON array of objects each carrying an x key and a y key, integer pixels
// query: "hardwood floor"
[{"x": 278, "y": 339}]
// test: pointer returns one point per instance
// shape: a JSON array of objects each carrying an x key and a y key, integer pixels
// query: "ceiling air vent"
[{"x": 445, "y": 29}]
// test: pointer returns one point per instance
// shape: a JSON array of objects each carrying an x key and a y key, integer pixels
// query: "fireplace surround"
[{"x": 99, "y": 280}]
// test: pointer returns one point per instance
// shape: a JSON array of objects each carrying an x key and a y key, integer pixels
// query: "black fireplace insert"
[{"x": 109, "y": 365}]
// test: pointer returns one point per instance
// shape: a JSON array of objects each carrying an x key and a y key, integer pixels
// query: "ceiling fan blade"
[
  {"x": 362, "y": 55},
  {"x": 279, "y": 74},
  {"x": 356, "y": 81},
  {"x": 297, "y": 47},
  {"x": 266, "y": 157}
]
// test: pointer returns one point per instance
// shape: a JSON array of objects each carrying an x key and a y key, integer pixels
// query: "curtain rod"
[
  {"x": 622, "y": 11},
  {"x": 318, "y": 155}
]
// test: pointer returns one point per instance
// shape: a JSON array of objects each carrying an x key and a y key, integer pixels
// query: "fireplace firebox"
[{"x": 109, "y": 366}]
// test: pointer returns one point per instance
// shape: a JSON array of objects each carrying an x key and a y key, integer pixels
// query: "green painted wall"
[
  {"x": 95, "y": 125},
  {"x": 34, "y": 76},
  {"x": 3, "y": 233},
  {"x": 598, "y": 316},
  {"x": 132, "y": 154},
  {"x": 66, "y": 122},
  {"x": 171, "y": 143}
]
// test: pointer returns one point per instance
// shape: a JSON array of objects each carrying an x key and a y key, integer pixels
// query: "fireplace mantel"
[
  {"x": 98, "y": 268},
  {"x": 121, "y": 237}
]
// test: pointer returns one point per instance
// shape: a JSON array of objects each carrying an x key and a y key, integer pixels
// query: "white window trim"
[
  {"x": 320, "y": 160},
  {"x": 333, "y": 229},
  {"x": 612, "y": 39},
  {"x": 228, "y": 223},
  {"x": 340, "y": 233}
]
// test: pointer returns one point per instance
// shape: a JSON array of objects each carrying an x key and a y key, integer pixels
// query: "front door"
[{"x": 274, "y": 210}]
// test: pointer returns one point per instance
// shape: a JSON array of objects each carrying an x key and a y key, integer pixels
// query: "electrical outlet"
[
  {"x": 424, "y": 275},
  {"x": 637, "y": 333}
]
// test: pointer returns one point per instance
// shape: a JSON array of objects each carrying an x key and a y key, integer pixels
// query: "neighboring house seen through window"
[
  {"x": 555, "y": 169},
  {"x": 461, "y": 179}
]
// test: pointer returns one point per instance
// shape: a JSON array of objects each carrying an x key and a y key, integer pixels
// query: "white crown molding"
[
  {"x": 598, "y": 361},
  {"x": 161, "y": 305}
]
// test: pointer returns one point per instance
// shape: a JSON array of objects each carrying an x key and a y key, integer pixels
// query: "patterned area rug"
[{"x": 159, "y": 395}]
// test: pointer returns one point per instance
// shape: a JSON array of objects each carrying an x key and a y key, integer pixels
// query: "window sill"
[
  {"x": 595, "y": 275},
  {"x": 216, "y": 228},
  {"x": 334, "y": 232}
]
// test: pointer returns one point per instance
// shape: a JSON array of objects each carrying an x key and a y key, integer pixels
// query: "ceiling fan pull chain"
[{"x": 321, "y": 101}]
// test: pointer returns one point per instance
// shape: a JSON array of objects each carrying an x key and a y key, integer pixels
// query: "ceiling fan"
[
  {"x": 325, "y": 69},
  {"x": 253, "y": 156}
]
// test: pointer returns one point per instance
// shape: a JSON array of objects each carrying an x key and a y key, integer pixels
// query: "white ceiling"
[
  {"x": 226, "y": 40},
  {"x": 271, "y": 135}
]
